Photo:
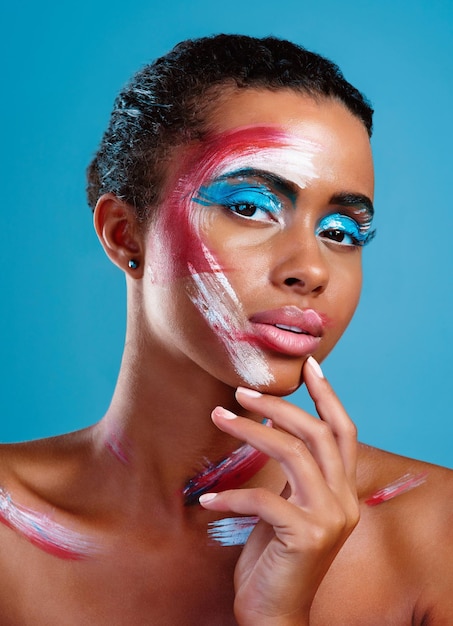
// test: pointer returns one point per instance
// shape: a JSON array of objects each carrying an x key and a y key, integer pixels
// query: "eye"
[
  {"x": 251, "y": 202},
  {"x": 244, "y": 210},
  {"x": 343, "y": 230}
]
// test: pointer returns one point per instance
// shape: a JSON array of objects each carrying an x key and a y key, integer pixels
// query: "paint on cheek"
[
  {"x": 179, "y": 242},
  {"x": 43, "y": 532},
  {"x": 217, "y": 302},
  {"x": 211, "y": 291},
  {"x": 176, "y": 235}
]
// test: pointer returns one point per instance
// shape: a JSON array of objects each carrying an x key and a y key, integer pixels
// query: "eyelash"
[
  {"x": 262, "y": 205},
  {"x": 258, "y": 204},
  {"x": 336, "y": 226}
]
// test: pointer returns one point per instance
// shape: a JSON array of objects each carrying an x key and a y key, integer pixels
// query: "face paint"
[
  {"x": 344, "y": 230},
  {"x": 228, "y": 473},
  {"x": 43, "y": 532},
  {"x": 216, "y": 300},
  {"x": 244, "y": 167}
]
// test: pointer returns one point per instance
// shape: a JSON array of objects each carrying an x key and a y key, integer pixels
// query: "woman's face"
[{"x": 254, "y": 260}]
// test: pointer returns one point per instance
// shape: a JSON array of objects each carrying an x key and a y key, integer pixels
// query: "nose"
[{"x": 301, "y": 265}]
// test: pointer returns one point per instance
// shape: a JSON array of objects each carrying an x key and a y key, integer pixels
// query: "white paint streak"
[
  {"x": 41, "y": 529},
  {"x": 214, "y": 296},
  {"x": 217, "y": 301},
  {"x": 293, "y": 162}
]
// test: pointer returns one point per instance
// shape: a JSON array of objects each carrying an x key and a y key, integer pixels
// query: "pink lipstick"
[{"x": 288, "y": 330}]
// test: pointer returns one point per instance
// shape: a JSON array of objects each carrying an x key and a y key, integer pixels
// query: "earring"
[{"x": 133, "y": 264}]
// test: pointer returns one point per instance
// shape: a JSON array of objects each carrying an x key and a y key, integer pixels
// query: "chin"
[
  {"x": 279, "y": 388},
  {"x": 287, "y": 378}
]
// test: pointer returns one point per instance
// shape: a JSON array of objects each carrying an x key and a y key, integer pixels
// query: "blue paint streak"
[
  {"x": 232, "y": 531},
  {"x": 252, "y": 201},
  {"x": 352, "y": 233}
]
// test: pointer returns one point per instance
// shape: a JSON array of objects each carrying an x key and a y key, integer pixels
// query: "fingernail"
[
  {"x": 315, "y": 367},
  {"x": 251, "y": 393},
  {"x": 227, "y": 415},
  {"x": 206, "y": 497}
]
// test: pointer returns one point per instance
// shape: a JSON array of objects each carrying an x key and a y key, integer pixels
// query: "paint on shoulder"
[
  {"x": 405, "y": 483},
  {"x": 42, "y": 531}
]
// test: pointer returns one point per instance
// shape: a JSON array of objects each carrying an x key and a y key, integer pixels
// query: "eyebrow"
[
  {"x": 283, "y": 185},
  {"x": 354, "y": 200},
  {"x": 290, "y": 189}
]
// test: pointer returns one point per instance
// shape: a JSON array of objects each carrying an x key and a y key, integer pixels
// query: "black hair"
[{"x": 166, "y": 104}]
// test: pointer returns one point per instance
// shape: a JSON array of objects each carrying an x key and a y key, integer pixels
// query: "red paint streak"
[
  {"x": 223, "y": 476},
  {"x": 244, "y": 472},
  {"x": 406, "y": 483},
  {"x": 229, "y": 473},
  {"x": 175, "y": 232},
  {"x": 45, "y": 545},
  {"x": 117, "y": 447}
]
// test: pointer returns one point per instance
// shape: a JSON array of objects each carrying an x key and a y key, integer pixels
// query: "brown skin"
[{"x": 311, "y": 563}]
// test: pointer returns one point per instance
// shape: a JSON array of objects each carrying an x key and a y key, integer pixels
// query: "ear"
[{"x": 120, "y": 233}]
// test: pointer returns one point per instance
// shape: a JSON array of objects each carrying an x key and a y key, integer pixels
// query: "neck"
[{"x": 158, "y": 427}]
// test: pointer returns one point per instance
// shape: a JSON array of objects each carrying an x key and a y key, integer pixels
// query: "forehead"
[
  {"x": 270, "y": 128},
  {"x": 248, "y": 125},
  {"x": 284, "y": 107}
]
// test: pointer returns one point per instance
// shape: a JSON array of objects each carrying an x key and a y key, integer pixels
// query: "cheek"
[
  {"x": 183, "y": 266},
  {"x": 174, "y": 247},
  {"x": 346, "y": 284},
  {"x": 241, "y": 250},
  {"x": 203, "y": 242}
]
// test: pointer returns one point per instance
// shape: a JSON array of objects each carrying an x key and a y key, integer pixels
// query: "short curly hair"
[{"x": 166, "y": 104}]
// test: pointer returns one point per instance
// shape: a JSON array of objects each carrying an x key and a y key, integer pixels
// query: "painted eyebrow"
[
  {"x": 288, "y": 188},
  {"x": 354, "y": 200}
]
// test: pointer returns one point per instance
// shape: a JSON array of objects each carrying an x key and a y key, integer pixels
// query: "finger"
[
  {"x": 262, "y": 503},
  {"x": 286, "y": 519},
  {"x": 331, "y": 411},
  {"x": 307, "y": 482},
  {"x": 315, "y": 433}
]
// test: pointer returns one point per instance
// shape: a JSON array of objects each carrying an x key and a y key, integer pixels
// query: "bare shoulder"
[
  {"x": 412, "y": 502},
  {"x": 384, "y": 477},
  {"x": 33, "y": 464},
  {"x": 44, "y": 479}
]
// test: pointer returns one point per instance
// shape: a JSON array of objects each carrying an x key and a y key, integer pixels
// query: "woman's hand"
[{"x": 302, "y": 530}]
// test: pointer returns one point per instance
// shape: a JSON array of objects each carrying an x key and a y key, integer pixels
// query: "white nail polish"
[
  {"x": 225, "y": 413},
  {"x": 251, "y": 393},
  {"x": 315, "y": 367},
  {"x": 206, "y": 497}
]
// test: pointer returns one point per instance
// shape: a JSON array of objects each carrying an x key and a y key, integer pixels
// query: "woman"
[{"x": 234, "y": 188}]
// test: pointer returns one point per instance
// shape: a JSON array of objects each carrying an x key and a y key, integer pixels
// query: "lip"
[{"x": 288, "y": 330}]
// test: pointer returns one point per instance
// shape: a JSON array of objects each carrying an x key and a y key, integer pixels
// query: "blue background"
[{"x": 63, "y": 305}]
